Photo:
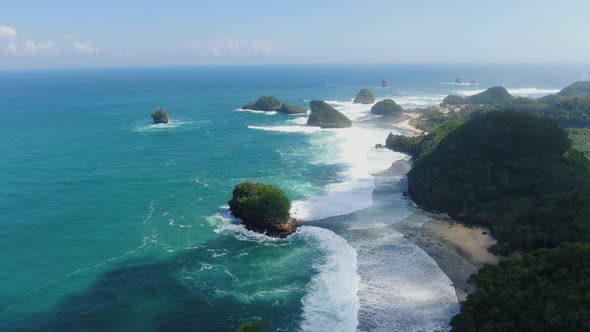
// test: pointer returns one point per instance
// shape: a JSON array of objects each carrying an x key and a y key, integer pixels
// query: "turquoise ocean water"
[{"x": 110, "y": 223}]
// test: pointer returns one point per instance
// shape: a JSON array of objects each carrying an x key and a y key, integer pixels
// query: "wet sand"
[{"x": 459, "y": 250}]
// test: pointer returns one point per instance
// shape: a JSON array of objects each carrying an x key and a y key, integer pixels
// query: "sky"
[{"x": 121, "y": 33}]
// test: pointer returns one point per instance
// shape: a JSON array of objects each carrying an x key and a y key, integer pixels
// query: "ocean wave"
[
  {"x": 225, "y": 223},
  {"x": 288, "y": 129},
  {"x": 520, "y": 92},
  {"x": 160, "y": 126},
  {"x": 463, "y": 83},
  {"x": 353, "y": 148},
  {"x": 255, "y": 111},
  {"x": 331, "y": 303},
  {"x": 414, "y": 101}
]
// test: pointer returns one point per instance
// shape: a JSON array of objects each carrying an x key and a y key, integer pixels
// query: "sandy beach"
[
  {"x": 405, "y": 124},
  {"x": 459, "y": 250}
]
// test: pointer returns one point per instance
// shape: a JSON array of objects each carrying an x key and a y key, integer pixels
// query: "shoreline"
[
  {"x": 405, "y": 124},
  {"x": 460, "y": 250}
]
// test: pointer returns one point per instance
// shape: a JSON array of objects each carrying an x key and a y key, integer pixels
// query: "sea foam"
[
  {"x": 331, "y": 303},
  {"x": 521, "y": 92},
  {"x": 353, "y": 148}
]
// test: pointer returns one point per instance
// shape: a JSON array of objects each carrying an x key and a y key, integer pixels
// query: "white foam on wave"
[
  {"x": 353, "y": 111},
  {"x": 225, "y": 223},
  {"x": 414, "y": 101},
  {"x": 331, "y": 303},
  {"x": 160, "y": 126},
  {"x": 299, "y": 120},
  {"x": 287, "y": 129},
  {"x": 462, "y": 83},
  {"x": 255, "y": 111},
  {"x": 352, "y": 148},
  {"x": 521, "y": 92}
]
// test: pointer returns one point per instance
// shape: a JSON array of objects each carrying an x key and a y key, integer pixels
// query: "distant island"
[
  {"x": 365, "y": 96},
  {"x": 384, "y": 84},
  {"x": 160, "y": 116},
  {"x": 263, "y": 208},
  {"x": 325, "y": 116},
  {"x": 272, "y": 104}
]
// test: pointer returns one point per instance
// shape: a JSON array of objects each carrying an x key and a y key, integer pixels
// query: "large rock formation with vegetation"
[
  {"x": 291, "y": 109},
  {"x": 510, "y": 171},
  {"x": 325, "y": 116},
  {"x": 493, "y": 95},
  {"x": 365, "y": 96},
  {"x": 160, "y": 116},
  {"x": 518, "y": 174},
  {"x": 569, "y": 108},
  {"x": 386, "y": 107},
  {"x": 576, "y": 89},
  {"x": 272, "y": 104},
  {"x": 266, "y": 104},
  {"x": 263, "y": 208}
]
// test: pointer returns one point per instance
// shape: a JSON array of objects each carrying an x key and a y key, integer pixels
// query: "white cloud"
[
  {"x": 84, "y": 48},
  {"x": 234, "y": 47},
  {"x": 32, "y": 48},
  {"x": 7, "y": 32}
]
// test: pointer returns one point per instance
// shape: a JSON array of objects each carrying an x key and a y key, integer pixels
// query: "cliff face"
[{"x": 325, "y": 116}]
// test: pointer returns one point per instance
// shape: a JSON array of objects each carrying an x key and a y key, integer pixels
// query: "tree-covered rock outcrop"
[
  {"x": 415, "y": 146},
  {"x": 325, "y": 116},
  {"x": 492, "y": 96},
  {"x": 160, "y": 116},
  {"x": 576, "y": 89},
  {"x": 545, "y": 290},
  {"x": 262, "y": 208},
  {"x": 266, "y": 104},
  {"x": 569, "y": 108},
  {"x": 291, "y": 109},
  {"x": 365, "y": 96},
  {"x": 386, "y": 107},
  {"x": 513, "y": 172}
]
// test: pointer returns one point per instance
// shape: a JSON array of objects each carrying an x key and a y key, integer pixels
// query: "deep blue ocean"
[{"x": 111, "y": 223}]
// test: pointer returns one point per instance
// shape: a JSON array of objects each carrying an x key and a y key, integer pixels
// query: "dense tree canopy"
[
  {"x": 365, "y": 96},
  {"x": 386, "y": 107},
  {"x": 260, "y": 203},
  {"x": 545, "y": 290},
  {"x": 325, "y": 116},
  {"x": 511, "y": 171},
  {"x": 267, "y": 104}
]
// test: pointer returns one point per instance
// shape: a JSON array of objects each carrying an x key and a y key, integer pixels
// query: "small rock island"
[
  {"x": 272, "y": 104},
  {"x": 160, "y": 116},
  {"x": 386, "y": 107},
  {"x": 291, "y": 109},
  {"x": 266, "y": 104},
  {"x": 365, "y": 96},
  {"x": 263, "y": 208},
  {"x": 384, "y": 84},
  {"x": 325, "y": 116}
]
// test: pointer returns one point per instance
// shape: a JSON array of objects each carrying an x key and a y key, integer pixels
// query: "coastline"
[
  {"x": 405, "y": 124},
  {"x": 460, "y": 250}
]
